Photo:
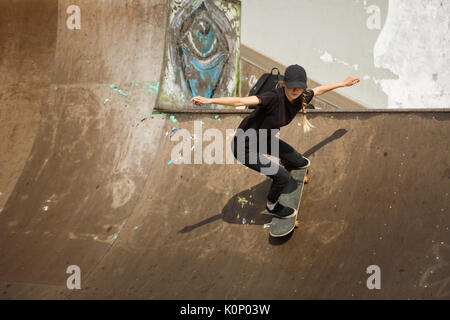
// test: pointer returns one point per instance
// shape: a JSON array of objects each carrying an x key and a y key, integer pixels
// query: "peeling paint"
[{"x": 417, "y": 53}]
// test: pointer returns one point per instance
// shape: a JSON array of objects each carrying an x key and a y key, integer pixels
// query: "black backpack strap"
[
  {"x": 267, "y": 79},
  {"x": 279, "y": 76},
  {"x": 259, "y": 84}
]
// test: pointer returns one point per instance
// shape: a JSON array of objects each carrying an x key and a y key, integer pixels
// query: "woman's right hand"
[{"x": 197, "y": 101}]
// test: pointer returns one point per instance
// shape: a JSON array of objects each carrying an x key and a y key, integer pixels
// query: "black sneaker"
[
  {"x": 307, "y": 164},
  {"x": 281, "y": 211}
]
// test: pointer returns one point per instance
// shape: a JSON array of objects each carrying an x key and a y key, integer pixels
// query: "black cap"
[{"x": 295, "y": 77}]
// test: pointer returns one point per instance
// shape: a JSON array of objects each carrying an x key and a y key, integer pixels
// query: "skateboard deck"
[{"x": 290, "y": 197}]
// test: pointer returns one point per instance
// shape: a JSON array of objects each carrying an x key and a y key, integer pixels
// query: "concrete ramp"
[
  {"x": 70, "y": 98},
  {"x": 87, "y": 180}
]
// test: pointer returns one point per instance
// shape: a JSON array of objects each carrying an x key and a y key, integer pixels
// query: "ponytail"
[{"x": 307, "y": 126}]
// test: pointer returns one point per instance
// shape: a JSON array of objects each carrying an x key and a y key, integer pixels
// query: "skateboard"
[{"x": 290, "y": 197}]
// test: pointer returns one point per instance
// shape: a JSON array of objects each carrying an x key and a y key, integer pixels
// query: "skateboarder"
[{"x": 277, "y": 108}]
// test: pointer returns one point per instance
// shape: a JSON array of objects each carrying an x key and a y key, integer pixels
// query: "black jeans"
[{"x": 252, "y": 156}]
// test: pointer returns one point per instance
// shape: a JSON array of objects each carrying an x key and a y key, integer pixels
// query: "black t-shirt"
[{"x": 275, "y": 110}]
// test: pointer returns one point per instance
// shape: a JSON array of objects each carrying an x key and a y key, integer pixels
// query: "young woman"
[{"x": 277, "y": 108}]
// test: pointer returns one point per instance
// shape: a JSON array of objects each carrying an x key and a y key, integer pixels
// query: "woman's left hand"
[{"x": 351, "y": 81}]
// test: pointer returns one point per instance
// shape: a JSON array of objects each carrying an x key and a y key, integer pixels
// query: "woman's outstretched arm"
[
  {"x": 328, "y": 87},
  {"x": 227, "y": 101}
]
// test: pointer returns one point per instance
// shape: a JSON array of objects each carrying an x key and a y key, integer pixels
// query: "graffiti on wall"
[{"x": 202, "y": 52}]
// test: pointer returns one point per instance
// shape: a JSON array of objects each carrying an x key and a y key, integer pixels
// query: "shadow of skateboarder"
[{"x": 242, "y": 207}]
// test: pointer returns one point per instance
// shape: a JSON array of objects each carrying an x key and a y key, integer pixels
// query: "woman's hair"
[
  {"x": 281, "y": 83},
  {"x": 307, "y": 126}
]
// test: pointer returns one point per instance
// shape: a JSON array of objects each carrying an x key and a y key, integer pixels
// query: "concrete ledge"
[{"x": 346, "y": 110}]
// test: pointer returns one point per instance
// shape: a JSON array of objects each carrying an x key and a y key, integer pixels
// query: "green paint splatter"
[
  {"x": 152, "y": 87},
  {"x": 242, "y": 201}
]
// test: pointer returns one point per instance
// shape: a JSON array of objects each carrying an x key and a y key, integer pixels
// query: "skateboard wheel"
[
  {"x": 306, "y": 179},
  {"x": 297, "y": 224}
]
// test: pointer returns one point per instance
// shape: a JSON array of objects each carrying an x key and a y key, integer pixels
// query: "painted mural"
[{"x": 202, "y": 52}]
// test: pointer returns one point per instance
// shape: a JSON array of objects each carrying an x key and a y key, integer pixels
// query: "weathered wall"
[
  {"x": 414, "y": 45},
  {"x": 399, "y": 49}
]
